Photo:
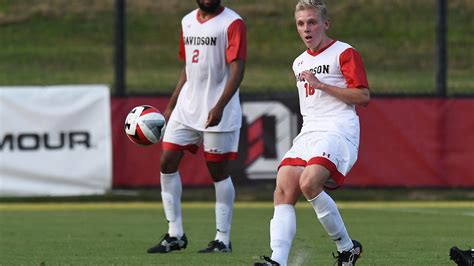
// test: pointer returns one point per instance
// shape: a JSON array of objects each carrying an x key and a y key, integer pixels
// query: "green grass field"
[
  {"x": 393, "y": 233},
  {"x": 62, "y": 42}
]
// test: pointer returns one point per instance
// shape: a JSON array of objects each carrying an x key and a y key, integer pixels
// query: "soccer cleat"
[
  {"x": 267, "y": 262},
  {"x": 169, "y": 243},
  {"x": 462, "y": 257},
  {"x": 216, "y": 246},
  {"x": 349, "y": 258}
]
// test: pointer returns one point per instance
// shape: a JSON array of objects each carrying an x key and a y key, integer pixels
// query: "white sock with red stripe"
[
  {"x": 171, "y": 190},
  {"x": 331, "y": 220},
  {"x": 225, "y": 196},
  {"x": 282, "y": 232}
]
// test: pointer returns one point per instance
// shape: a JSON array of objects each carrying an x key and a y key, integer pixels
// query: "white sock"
[
  {"x": 331, "y": 220},
  {"x": 171, "y": 190},
  {"x": 282, "y": 232},
  {"x": 225, "y": 195}
]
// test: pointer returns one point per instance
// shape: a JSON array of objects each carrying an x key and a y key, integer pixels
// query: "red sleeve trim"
[
  {"x": 215, "y": 158},
  {"x": 237, "y": 39},
  {"x": 182, "y": 51},
  {"x": 353, "y": 69},
  {"x": 168, "y": 146}
]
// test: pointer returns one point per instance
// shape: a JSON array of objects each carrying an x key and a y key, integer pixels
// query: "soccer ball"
[{"x": 145, "y": 125}]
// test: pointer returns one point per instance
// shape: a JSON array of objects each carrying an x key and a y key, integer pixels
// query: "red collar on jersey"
[
  {"x": 320, "y": 50},
  {"x": 211, "y": 16}
]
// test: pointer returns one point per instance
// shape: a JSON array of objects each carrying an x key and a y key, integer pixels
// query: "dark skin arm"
[
  {"x": 236, "y": 75},
  {"x": 174, "y": 97}
]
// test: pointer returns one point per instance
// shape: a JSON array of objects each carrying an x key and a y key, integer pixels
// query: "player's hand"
[
  {"x": 311, "y": 79},
  {"x": 214, "y": 117}
]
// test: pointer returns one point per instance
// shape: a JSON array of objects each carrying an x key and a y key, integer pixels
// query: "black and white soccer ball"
[{"x": 145, "y": 125}]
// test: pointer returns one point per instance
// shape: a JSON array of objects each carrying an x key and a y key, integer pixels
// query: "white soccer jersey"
[
  {"x": 208, "y": 47},
  {"x": 337, "y": 64}
]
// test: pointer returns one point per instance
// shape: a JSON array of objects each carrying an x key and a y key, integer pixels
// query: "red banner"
[
  {"x": 416, "y": 143},
  {"x": 405, "y": 142}
]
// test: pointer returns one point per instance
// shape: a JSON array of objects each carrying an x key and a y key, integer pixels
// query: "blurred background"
[{"x": 61, "y": 42}]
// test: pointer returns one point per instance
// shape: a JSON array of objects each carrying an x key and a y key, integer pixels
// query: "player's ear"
[{"x": 327, "y": 23}]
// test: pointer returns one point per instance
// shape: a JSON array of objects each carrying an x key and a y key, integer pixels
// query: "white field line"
[{"x": 238, "y": 205}]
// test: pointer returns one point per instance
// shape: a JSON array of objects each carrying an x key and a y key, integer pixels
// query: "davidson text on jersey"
[{"x": 192, "y": 40}]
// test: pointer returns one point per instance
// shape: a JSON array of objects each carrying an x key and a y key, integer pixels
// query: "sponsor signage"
[
  {"x": 270, "y": 128},
  {"x": 55, "y": 140}
]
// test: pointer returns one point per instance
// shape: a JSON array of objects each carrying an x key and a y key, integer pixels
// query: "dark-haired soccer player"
[{"x": 204, "y": 109}]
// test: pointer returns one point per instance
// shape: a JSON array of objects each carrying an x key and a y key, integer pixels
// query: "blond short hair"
[{"x": 313, "y": 4}]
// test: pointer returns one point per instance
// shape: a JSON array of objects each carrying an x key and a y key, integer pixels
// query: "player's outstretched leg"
[
  {"x": 331, "y": 220},
  {"x": 169, "y": 243},
  {"x": 349, "y": 257}
]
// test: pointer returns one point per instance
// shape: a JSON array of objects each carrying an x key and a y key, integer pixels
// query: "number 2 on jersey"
[{"x": 195, "y": 56}]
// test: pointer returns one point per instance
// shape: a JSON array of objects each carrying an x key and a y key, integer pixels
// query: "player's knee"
[
  {"x": 168, "y": 166},
  {"x": 169, "y": 162},
  {"x": 310, "y": 186},
  {"x": 218, "y": 170},
  {"x": 284, "y": 196},
  {"x": 216, "y": 177},
  {"x": 168, "y": 169}
]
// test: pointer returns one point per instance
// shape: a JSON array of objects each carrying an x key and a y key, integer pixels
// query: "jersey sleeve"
[
  {"x": 353, "y": 69},
  {"x": 182, "y": 51},
  {"x": 237, "y": 38}
]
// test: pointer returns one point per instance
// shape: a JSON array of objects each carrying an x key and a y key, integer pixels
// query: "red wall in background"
[
  {"x": 416, "y": 142},
  {"x": 404, "y": 142}
]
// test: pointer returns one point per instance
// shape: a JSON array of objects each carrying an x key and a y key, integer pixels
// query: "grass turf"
[{"x": 393, "y": 233}]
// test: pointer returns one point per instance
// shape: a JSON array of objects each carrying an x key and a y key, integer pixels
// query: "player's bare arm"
[
  {"x": 174, "y": 97},
  {"x": 359, "y": 96},
  {"x": 237, "y": 68}
]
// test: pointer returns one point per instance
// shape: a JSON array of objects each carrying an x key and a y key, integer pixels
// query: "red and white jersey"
[
  {"x": 339, "y": 65},
  {"x": 208, "y": 47}
]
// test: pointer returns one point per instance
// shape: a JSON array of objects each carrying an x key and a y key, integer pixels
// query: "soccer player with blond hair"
[{"x": 331, "y": 81}]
